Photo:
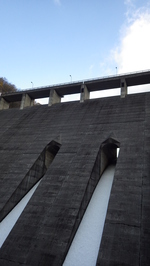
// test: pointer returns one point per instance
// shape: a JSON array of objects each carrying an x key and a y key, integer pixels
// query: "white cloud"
[{"x": 132, "y": 54}]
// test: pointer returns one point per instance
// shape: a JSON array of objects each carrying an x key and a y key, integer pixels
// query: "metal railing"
[{"x": 78, "y": 81}]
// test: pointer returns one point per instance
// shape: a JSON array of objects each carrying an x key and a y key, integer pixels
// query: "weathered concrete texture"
[
  {"x": 3, "y": 104},
  {"x": 53, "y": 98},
  {"x": 45, "y": 229},
  {"x": 124, "y": 89},
  {"x": 145, "y": 205},
  {"x": 84, "y": 94},
  {"x": 36, "y": 172},
  {"x": 26, "y": 101}
]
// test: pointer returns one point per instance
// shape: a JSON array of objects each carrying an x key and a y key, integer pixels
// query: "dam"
[{"x": 64, "y": 149}]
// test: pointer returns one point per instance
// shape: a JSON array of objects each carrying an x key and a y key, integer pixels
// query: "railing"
[
  {"x": 79, "y": 81},
  {"x": 87, "y": 80}
]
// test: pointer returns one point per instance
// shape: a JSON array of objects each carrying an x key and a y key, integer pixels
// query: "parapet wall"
[{"x": 45, "y": 229}]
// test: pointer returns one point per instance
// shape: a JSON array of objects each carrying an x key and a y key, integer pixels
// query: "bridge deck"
[{"x": 132, "y": 79}]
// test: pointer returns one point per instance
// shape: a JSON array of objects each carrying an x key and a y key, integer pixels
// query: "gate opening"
[{"x": 86, "y": 243}]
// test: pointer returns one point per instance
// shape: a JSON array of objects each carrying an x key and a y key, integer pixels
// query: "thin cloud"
[
  {"x": 57, "y": 2},
  {"x": 91, "y": 69},
  {"x": 130, "y": 8}
]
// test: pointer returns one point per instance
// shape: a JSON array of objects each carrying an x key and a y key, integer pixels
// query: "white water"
[
  {"x": 85, "y": 246},
  {"x": 9, "y": 221}
]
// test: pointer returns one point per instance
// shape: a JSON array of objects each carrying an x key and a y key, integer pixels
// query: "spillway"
[
  {"x": 85, "y": 246},
  {"x": 9, "y": 221}
]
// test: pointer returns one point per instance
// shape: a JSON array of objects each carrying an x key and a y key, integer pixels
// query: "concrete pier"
[
  {"x": 26, "y": 101},
  {"x": 123, "y": 86},
  {"x": 53, "y": 98},
  {"x": 3, "y": 104},
  {"x": 84, "y": 94}
]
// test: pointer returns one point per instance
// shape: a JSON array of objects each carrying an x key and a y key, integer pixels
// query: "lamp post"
[
  {"x": 32, "y": 84},
  {"x": 71, "y": 78}
]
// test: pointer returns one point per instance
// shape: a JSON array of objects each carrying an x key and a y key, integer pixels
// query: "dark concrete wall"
[{"x": 45, "y": 229}]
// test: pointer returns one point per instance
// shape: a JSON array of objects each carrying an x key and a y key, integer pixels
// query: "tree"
[{"x": 5, "y": 86}]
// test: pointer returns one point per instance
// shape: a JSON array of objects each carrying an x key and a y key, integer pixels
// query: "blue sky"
[{"x": 46, "y": 41}]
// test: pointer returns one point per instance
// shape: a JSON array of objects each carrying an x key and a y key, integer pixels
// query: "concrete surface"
[
  {"x": 85, "y": 245},
  {"x": 45, "y": 229}
]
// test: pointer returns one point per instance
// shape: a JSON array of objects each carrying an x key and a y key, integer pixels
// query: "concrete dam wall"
[{"x": 68, "y": 146}]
